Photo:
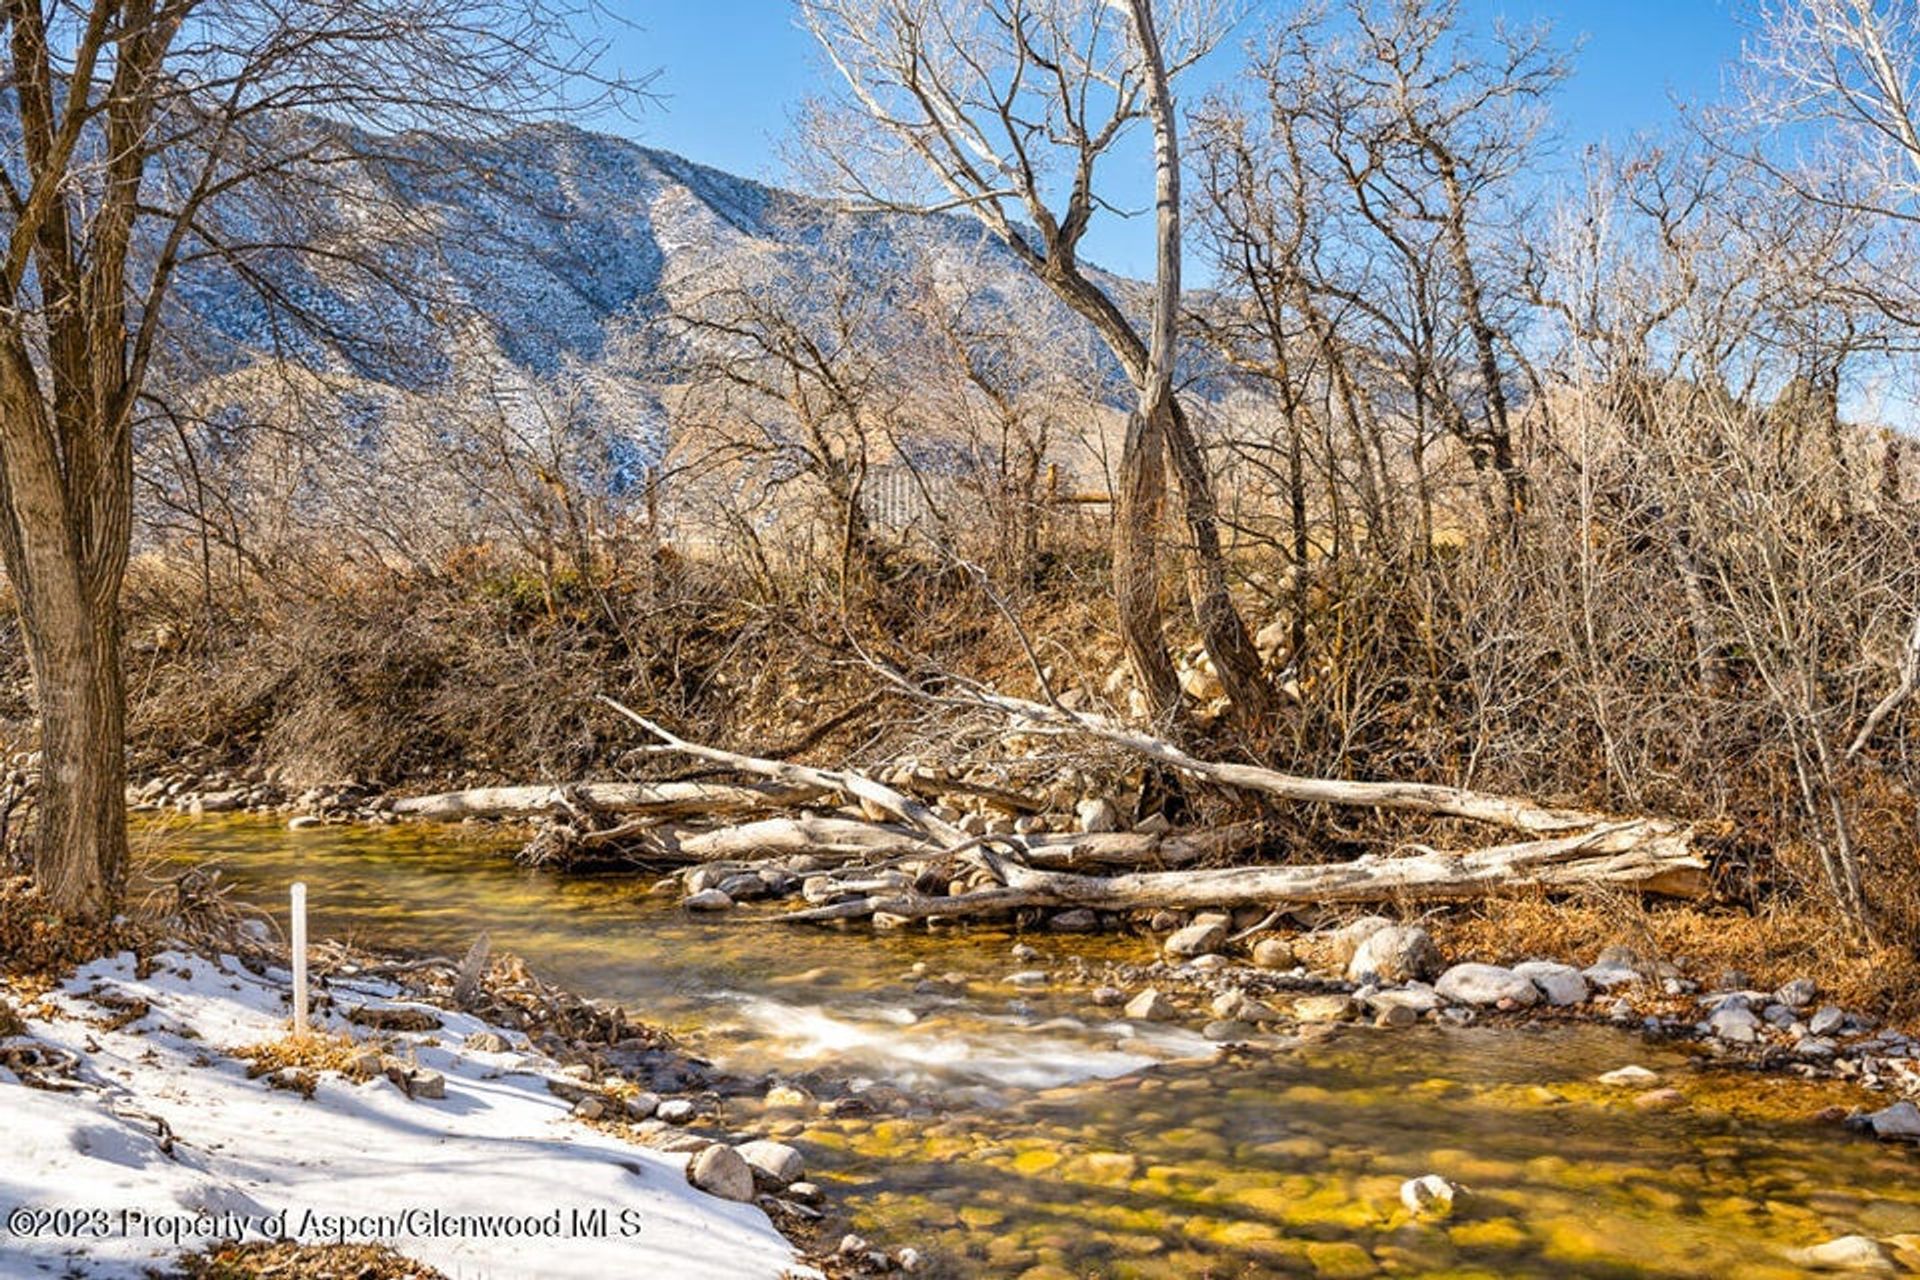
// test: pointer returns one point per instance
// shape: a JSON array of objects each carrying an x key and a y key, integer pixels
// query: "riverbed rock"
[
  {"x": 1798, "y": 994},
  {"x": 1028, "y": 978},
  {"x": 676, "y": 1111},
  {"x": 1486, "y": 984},
  {"x": 1342, "y": 944},
  {"x": 1224, "y": 1030},
  {"x": 1107, "y": 997},
  {"x": 1395, "y": 1016},
  {"x": 1396, "y": 953},
  {"x": 1660, "y": 1100},
  {"x": 1151, "y": 1006},
  {"x": 773, "y": 1163},
  {"x": 640, "y": 1106},
  {"x": 1416, "y": 996},
  {"x": 305, "y": 822},
  {"x": 1734, "y": 1022},
  {"x": 1096, "y": 815},
  {"x": 1901, "y": 1120},
  {"x": 1327, "y": 1008},
  {"x": 1239, "y": 1006},
  {"x": 1079, "y": 920},
  {"x": 707, "y": 900},
  {"x": 1630, "y": 1077},
  {"x": 1203, "y": 937},
  {"x": 721, "y": 1171},
  {"x": 788, "y": 1097},
  {"x": 1846, "y": 1253},
  {"x": 1274, "y": 953},
  {"x": 1561, "y": 984},
  {"x": 1429, "y": 1195},
  {"x": 1828, "y": 1020}
]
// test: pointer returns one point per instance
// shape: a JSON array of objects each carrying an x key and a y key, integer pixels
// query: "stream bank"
[{"x": 1009, "y": 1128}]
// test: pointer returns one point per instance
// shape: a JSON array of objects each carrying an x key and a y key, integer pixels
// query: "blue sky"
[{"x": 732, "y": 71}]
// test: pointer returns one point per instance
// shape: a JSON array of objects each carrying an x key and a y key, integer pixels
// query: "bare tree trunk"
[
  {"x": 1136, "y": 576},
  {"x": 1221, "y": 628}
]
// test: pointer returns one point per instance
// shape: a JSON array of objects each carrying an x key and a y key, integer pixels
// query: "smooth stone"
[
  {"x": 1151, "y": 1006},
  {"x": 1108, "y": 997},
  {"x": 1901, "y": 1120},
  {"x": 1735, "y": 1023},
  {"x": 1630, "y": 1077},
  {"x": 1827, "y": 1021},
  {"x": 1396, "y": 1016},
  {"x": 1660, "y": 1100},
  {"x": 1417, "y": 996},
  {"x": 1846, "y": 1253},
  {"x": 787, "y": 1097},
  {"x": 1608, "y": 976},
  {"x": 1024, "y": 953},
  {"x": 1344, "y": 943},
  {"x": 1328, "y": 1008},
  {"x": 1397, "y": 953},
  {"x": 1096, "y": 816},
  {"x": 1225, "y": 1029},
  {"x": 1200, "y": 938},
  {"x": 675, "y": 1111},
  {"x": 1079, "y": 920},
  {"x": 1486, "y": 984},
  {"x": 773, "y": 1162},
  {"x": 1429, "y": 1194},
  {"x": 1028, "y": 978},
  {"x": 1274, "y": 953},
  {"x": 721, "y": 1171},
  {"x": 1561, "y": 984},
  {"x": 707, "y": 900}
]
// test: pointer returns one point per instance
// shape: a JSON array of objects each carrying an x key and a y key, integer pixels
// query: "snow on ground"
[{"x": 493, "y": 1181}]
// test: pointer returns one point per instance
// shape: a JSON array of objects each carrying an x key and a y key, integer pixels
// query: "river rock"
[
  {"x": 1417, "y": 996},
  {"x": 1798, "y": 994},
  {"x": 1660, "y": 1100},
  {"x": 1846, "y": 1253},
  {"x": 1827, "y": 1021},
  {"x": 1274, "y": 953},
  {"x": 1343, "y": 943},
  {"x": 1151, "y": 1006},
  {"x": 1430, "y": 1195},
  {"x": 721, "y": 1171},
  {"x": 707, "y": 900},
  {"x": 1486, "y": 984},
  {"x": 1734, "y": 1022},
  {"x": 304, "y": 822},
  {"x": 1901, "y": 1120},
  {"x": 676, "y": 1111},
  {"x": 774, "y": 1163},
  {"x": 788, "y": 1097},
  {"x": 1028, "y": 978},
  {"x": 744, "y": 886},
  {"x": 1107, "y": 997},
  {"x": 1096, "y": 815},
  {"x": 1608, "y": 974},
  {"x": 1561, "y": 984},
  {"x": 1239, "y": 1006},
  {"x": 1227, "y": 1029},
  {"x": 1395, "y": 1016},
  {"x": 1630, "y": 1077},
  {"x": 1328, "y": 1008},
  {"x": 1202, "y": 937},
  {"x": 1079, "y": 920},
  {"x": 642, "y": 1105},
  {"x": 1396, "y": 953}
]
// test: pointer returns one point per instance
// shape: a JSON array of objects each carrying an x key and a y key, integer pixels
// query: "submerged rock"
[
  {"x": 1486, "y": 984},
  {"x": 1430, "y": 1195},
  {"x": 1846, "y": 1253},
  {"x": 1630, "y": 1077},
  {"x": 721, "y": 1171},
  {"x": 1331, "y": 1008}
]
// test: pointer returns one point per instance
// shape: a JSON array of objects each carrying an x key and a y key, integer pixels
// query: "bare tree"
[
  {"x": 1006, "y": 109},
  {"x": 131, "y": 128}
]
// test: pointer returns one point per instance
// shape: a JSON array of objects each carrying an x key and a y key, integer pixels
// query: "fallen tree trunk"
[
  {"x": 1419, "y": 797},
  {"x": 659, "y": 799},
  {"x": 1649, "y": 857},
  {"x": 853, "y": 785}
]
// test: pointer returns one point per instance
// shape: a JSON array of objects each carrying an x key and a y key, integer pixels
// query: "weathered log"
[
  {"x": 854, "y": 785},
  {"x": 1649, "y": 857},
  {"x": 1419, "y": 797},
  {"x": 803, "y": 833},
  {"x": 659, "y": 799}
]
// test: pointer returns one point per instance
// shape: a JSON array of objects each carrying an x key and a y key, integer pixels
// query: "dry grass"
[
  {"x": 1772, "y": 946},
  {"x": 37, "y": 944},
  {"x": 286, "y": 1261}
]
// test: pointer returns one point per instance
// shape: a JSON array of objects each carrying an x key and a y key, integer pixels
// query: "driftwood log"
[
  {"x": 657, "y": 799},
  {"x": 1627, "y": 855}
]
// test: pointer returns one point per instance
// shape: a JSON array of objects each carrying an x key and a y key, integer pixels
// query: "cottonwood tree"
[
  {"x": 143, "y": 141},
  {"x": 1007, "y": 109}
]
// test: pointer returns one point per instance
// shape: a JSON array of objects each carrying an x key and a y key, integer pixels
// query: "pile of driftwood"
[{"x": 859, "y": 847}]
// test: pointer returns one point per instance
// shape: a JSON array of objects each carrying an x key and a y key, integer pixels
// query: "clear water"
[{"x": 1048, "y": 1141}]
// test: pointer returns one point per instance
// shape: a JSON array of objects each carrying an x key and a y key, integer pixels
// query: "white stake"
[{"x": 299, "y": 958}]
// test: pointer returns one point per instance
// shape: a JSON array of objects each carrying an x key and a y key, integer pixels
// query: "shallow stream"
[{"x": 1057, "y": 1141}]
